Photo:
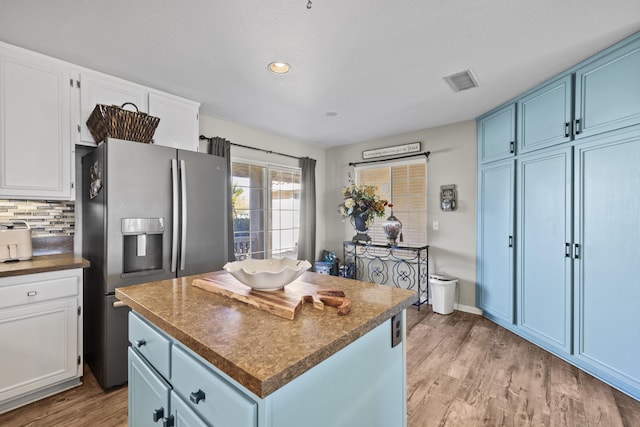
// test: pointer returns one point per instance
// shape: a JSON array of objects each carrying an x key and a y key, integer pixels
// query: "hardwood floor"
[{"x": 462, "y": 370}]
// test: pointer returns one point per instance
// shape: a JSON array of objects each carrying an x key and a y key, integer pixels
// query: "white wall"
[
  {"x": 453, "y": 160},
  {"x": 210, "y": 127}
]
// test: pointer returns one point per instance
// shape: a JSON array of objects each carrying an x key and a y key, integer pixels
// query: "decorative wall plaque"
[{"x": 412, "y": 147}]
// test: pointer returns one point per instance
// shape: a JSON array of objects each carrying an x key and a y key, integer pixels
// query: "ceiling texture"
[{"x": 378, "y": 64}]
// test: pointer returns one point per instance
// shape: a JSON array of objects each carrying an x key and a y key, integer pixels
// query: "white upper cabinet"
[
  {"x": 178, "y": 127},
  {"x": 179, "y": 122},
  {"x": 101, "y": 89},
  {"x": 35, "y": 138}
]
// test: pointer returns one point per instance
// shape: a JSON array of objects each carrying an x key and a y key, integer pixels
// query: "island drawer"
[
  {"x": 210, "y": 395},
  {"x": 33, "y": 291},
  {"x": 152, "y": 344}
]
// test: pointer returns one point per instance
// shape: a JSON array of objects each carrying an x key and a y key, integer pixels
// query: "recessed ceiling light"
[
  {"x": 279, "y": 67},
  {"x": 331, "y": 113}
]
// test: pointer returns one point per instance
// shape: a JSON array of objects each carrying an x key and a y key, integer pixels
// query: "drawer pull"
[
  {"x": 197, "y": 396},
  {"x": 32, "y": 293},
  {"x": 158, "y": 414},
  {"x": 140, "y": 343}
]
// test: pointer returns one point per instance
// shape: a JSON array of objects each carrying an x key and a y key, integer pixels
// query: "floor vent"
[{"x": 462, "y": 81}]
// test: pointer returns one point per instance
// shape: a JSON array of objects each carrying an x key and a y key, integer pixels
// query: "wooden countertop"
[
  {"x": 262, "y": 351},
  {"x": 42, "y": 264}
]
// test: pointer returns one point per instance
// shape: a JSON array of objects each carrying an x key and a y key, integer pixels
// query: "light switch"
[{"x": 436, "y": 225}]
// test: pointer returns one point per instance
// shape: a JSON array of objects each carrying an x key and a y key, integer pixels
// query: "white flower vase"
[{"x": 392, "y": 229}]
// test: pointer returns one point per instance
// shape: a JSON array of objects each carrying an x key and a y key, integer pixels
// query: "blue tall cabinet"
[
  {"x": 558, "y": 229},
  {"x": 495, "y": 239}
]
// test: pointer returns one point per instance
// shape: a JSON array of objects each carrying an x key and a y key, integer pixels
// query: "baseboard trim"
[{"x": 467, "y": 309}]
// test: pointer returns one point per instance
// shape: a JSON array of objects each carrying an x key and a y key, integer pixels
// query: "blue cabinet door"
[
  {"x": 497, "y": 135},
  {"x": 607, "y": 232},
  {"x": 608, "y": 91},
  {"x": 148, "y": 394},
  {"x": 544, "y": 266},
  {"x": 544, "y": 116},
  {"x": 183, "y": 416},
  {"x": 495, "y": 241}
]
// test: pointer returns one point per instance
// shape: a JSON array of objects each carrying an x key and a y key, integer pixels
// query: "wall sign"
[{"x": 413, "y": 147}]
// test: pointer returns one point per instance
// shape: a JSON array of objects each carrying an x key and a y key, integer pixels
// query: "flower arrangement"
[{"x": 361, "y": 202}]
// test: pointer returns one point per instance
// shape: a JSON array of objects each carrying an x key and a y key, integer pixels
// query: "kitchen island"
[{"x": 221, "y": 362}]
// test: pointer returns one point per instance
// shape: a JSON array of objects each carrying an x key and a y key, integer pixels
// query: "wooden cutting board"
[{"x": 283, "y": 302}]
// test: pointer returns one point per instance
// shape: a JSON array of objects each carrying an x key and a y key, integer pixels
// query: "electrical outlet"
[
  {"x": 436, "y": 225},
  {"x": 396, "y": 330}
]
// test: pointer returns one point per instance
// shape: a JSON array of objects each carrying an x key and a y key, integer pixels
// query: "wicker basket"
[{"x": 111, "y": 121}]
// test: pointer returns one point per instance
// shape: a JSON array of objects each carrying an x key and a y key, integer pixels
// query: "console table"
[{"x": 401, "y": 266}]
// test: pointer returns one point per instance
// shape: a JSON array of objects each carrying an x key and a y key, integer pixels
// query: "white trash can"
[{"x": 443, "y": 292}]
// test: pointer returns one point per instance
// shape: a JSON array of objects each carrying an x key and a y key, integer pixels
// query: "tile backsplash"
[{"x": 47, "y": 218}]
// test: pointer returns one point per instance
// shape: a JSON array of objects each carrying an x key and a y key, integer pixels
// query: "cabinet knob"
[
  {"x": 158, "y": 414},
  {"x": 567, "y": 130},
  {"x": 32, "y": 293},
  {"x": 197, "y": 396},
  {"x": 512, "y": 147},
  {"x": 140, "y": 343}
]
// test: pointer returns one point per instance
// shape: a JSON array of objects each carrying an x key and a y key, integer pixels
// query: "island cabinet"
[
  {"x": 197, "y": 358},
  {"x": 40, "y": 335},
  {"x": 35, "y": 141},
  {"x": 329, "y": 394}
]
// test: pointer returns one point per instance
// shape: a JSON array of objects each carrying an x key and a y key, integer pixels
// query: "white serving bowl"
[{"x": 267, "y": 274}]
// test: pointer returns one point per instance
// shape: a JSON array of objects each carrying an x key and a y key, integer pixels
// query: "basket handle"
[{"x": 130, "y": 103}]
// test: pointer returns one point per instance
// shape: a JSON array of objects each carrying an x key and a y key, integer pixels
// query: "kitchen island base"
[{"x": 364, "y": 383}]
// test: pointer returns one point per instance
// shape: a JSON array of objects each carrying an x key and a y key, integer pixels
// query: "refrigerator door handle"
[
  {"x": 183, "y": 201},
  {"x": 174, "y": 237}
]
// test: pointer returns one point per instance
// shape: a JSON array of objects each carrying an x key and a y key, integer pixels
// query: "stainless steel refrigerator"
[{"x": 149, "y": 213}]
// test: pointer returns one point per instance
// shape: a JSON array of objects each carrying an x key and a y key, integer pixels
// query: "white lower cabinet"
[{"x": 40, "y": 336}]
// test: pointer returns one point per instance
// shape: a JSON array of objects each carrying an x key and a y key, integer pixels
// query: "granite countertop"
[
  {"x": 42, "y": 264},
  {"x": 261, "y": 351}
]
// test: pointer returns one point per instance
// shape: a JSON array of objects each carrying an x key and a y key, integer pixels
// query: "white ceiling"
[{"x": 379, "y": 63}]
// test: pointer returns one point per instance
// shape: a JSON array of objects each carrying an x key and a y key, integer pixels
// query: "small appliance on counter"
[{"x": 15, "y": 242}]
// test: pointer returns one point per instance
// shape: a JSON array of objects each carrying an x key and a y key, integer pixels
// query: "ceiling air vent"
[{"x": 462, "y": 81}]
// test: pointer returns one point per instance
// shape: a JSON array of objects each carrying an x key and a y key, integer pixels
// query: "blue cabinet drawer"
[
  {"x": 211, "y": 396},
  {"x": 152, "y": 344}
]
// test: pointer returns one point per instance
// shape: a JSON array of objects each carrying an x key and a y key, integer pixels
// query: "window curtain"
[
  {"x": 221, "y": 147},
  {"x": 307, "y": 239}
]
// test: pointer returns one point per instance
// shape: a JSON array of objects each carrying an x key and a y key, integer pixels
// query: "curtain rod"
[
  {"x": 254, "y": 148},
  {"x": 426, "y": 154}
]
